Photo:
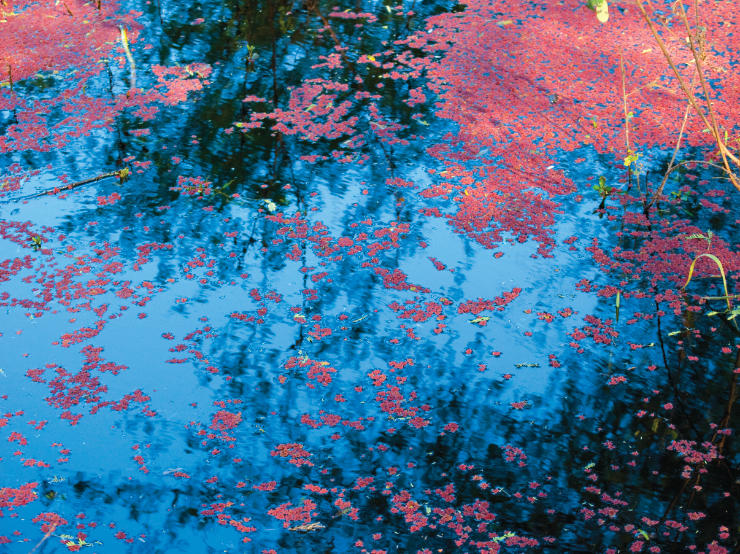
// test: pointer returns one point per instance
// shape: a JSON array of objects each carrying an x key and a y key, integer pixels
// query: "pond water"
[{"x": 303, "y": 323}]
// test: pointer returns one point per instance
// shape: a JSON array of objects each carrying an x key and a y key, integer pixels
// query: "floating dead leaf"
[
  {"x": 602, "y": 12},
  {"x": 308, "y": 527}
]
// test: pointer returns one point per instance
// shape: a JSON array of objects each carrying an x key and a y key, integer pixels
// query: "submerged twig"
[
  {"x": 48, "y": 534},
  {"x": 122, "y": 174}
]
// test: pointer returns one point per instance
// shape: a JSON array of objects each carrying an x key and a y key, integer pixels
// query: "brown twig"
[
  {"x": 714, "y": 128},
  {"x": 671, "y": 167},
  {"x": 624, "y": 105},
  {"x": 711, "y": 125},
  {"x": 312, "y": 5},
  {"x": 627, "y": 131}
]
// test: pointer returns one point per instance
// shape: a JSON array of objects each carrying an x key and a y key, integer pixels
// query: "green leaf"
[
  {"x": 503, "y": 537},
  {"x": 707, "y": 237},
  {"x": 124, "y": 174},
  {"x": 717, "y": 261},
  {"x": 630, "y": 159}
]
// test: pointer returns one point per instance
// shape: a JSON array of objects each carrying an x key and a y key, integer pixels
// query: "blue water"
[{"x": 207, "y": 307}]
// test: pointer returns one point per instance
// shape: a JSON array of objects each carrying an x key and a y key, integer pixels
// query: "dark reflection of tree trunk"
[{"x": 273, "y": 62}]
